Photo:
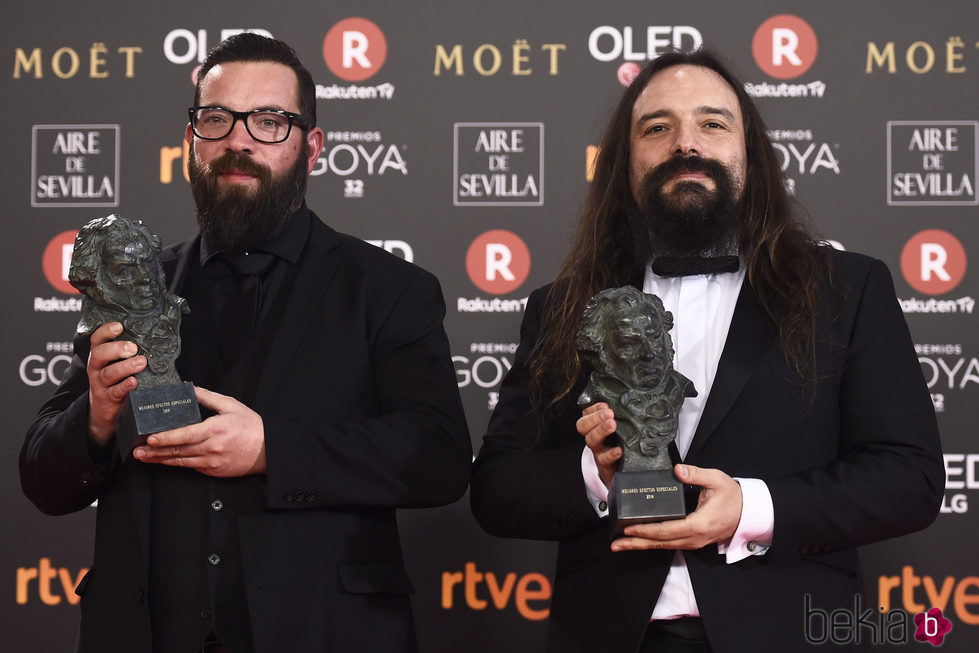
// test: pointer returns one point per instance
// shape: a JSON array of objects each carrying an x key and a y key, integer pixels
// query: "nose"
[
  {"x": 686, "y": 141},
  {"x": 239, "y": 139},
  {"x": 645, "y": 349}
]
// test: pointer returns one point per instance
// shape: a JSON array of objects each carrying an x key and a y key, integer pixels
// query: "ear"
[
  {"x": 314, "y": 145},
  {"x": 189, "y": 135}
]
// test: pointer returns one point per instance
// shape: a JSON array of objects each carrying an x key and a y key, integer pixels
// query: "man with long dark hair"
[
  {"x": 331, "y": 402},
  {"x": 812, "y": 432}
]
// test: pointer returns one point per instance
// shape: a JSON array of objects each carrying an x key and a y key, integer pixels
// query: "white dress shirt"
[{"x": 702, "y": 308}]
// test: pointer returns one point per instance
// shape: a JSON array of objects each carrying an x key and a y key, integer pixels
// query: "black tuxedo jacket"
[
  {"x": 362, "y": 416},
  {"x": 856, "y": 461}
]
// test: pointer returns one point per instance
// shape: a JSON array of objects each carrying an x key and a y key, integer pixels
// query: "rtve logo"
[
  {"x": 784, "y": 46},
  {"x": 354, "y": 49},
  {"x": 933, "y": 262},
  {"x": 56, "y": 261},
  {"x": 498, "y": 262}
]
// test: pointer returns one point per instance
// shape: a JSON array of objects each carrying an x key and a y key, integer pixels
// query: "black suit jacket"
[
  {"x": 856, "y": 461},
  {"x": 362, "y": 416}
]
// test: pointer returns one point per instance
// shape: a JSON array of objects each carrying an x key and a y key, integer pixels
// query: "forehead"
[
  {"x": 243, "y": 85},
  {"x": 633, "y": 319},
  {"x": 131, "y": 244},
  {"x": 685, "y": 89}
]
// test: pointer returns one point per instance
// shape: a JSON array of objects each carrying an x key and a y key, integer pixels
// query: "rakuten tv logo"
[
  {"x": 784, "y": 46},
  {"x": 56, "y": 261},
  {"x": 933, "y": 262},
  {"x": 498, "y": 262},
  {"x": 355, "y": 49}
]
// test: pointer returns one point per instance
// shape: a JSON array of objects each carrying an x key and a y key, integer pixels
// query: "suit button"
[
  {"x": 300, "y": 495},
  {"x": 804, "y": 549},
  {"x": 140, "y": 595},
  {"x": 817, "y": 548},
  {"x": 217, "y": 505},
  {"x": 289, "y": 495},
  {"x": 205, "y": 613},
  {"x": 310, "y": 496},
  {"x": 86, "y": 478},
  {"x": 214, "y": 559}
]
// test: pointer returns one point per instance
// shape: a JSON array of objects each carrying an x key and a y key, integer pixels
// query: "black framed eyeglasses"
[{"x": 264, "y": 125}]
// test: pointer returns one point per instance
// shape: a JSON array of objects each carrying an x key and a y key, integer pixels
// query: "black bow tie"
[{"x": 683, "y": 266}]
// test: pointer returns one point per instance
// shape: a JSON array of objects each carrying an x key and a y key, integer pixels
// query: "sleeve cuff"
[
  {"x": 594, "y": 487},
  {"x": 754, "y": 533}
]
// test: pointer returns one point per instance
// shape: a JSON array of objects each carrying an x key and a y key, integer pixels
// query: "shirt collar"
[{"x": 286, "y": 244}]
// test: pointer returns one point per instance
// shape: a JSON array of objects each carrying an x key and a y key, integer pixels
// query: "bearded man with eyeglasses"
[{"x": 330, "y": 402}]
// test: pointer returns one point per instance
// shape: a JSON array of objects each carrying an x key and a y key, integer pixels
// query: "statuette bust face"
[
  {"x": 116, "y": 265},
  {"x": 625, "y": 335}
]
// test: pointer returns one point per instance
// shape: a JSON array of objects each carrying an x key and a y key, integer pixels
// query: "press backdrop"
[{"x": 459, "y": 137}]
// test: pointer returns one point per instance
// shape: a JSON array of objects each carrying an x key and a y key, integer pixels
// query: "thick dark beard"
[
  {"x": 233, "y": 218},
  {"x": 691, "y": 220}
]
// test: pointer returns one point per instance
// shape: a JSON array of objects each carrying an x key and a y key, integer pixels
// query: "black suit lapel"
[
  {"x": 747, "y": 342},
  {"x": 280, "y": 338}
]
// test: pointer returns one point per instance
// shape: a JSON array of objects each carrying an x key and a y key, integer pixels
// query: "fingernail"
[
  {"x": 682, "y": 469},
  {"x": 138, "y": 453}
]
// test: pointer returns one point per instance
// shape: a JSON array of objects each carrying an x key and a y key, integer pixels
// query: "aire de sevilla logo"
[
  {"x": 56, "y": 261},
  {"x": 785, "y": 46},
  {"x": 498, "y": 262},
  {"x": 355, "y": 49},
  {"x": 933, "y": 261}
]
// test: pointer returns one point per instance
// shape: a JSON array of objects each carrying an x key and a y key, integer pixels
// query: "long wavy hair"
[{"x": 785, "y": 265}]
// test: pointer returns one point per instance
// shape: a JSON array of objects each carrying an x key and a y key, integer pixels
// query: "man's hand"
[
  {"x": 597, "y": 422},
  {"x": 229, "y": 444},
  {"x": 111, "y": 366},
  {"x": 715, "y": 519}
]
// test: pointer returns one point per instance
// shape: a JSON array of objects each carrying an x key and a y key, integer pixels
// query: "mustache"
[
  {"x": 237, "y": 161},
  {"x": 659, "y": 175}
]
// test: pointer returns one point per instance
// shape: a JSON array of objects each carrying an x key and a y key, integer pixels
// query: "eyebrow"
[{"x": 701, "y": 110}]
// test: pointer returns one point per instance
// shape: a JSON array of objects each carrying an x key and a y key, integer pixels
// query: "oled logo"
[
  {"x": 182, "y": 46},
  {"x": 931, "y": 627},
  {"x": 608, "y": 43},
  {"x": 355, "y": 49},
  {"x": 784, "y": 46},
  {"x": 399, "y": 248},
  {"x": 498, "y": 262},
  {"x": 933, "y": 262}
]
